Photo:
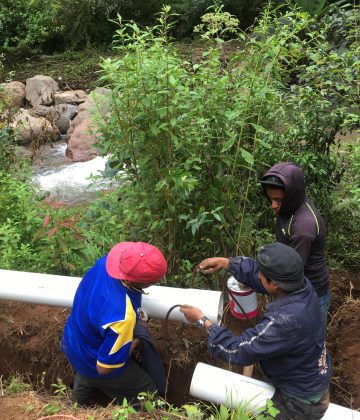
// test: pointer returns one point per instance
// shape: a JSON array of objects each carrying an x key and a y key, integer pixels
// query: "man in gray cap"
[{"x": 289, "y": 340}]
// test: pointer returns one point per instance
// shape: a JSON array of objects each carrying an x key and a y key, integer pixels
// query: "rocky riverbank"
[{"x": 40, "y": 112}]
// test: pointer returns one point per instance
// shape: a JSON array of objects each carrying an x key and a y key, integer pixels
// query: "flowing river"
[{"x": 66, "y": 182}]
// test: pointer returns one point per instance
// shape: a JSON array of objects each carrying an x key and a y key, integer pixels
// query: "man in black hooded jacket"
[{"x": 299, "y": 224}]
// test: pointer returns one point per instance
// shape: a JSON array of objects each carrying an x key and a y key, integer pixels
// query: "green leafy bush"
[
  {"x": 7, "y": 147},
  {"x": 35, "y": 237},
  {"x": 344, "y": 217},
  {"x": 314, "y": 7},
  {"x": 56, "y": 25},
  {"x": 18, "y": 214},
  {"x": 193, "y": 139}
]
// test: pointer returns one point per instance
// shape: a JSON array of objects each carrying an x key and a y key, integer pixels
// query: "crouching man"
[
  {"x": 99, "y": 335},
  {"x": 289, "y": 341}
]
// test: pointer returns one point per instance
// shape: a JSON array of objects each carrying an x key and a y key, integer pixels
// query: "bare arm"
[
  {"x": 193, "y": 314},
  {"x": 106, "y": 370},
  {"x": 103, "y": 371},
  {"x": 211, "y": 265}
]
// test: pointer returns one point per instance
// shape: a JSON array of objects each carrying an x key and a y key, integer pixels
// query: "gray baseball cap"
[{"x": 281, "y": 264}]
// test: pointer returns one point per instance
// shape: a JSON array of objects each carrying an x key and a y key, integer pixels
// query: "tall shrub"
[
  {"x": 193, "y": 138},
  {"x": 344, "y": 217},
  {"x": 171, "y": 127}
]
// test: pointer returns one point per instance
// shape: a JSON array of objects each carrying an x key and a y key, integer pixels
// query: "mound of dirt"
[
  {"x": 344, "y": 338},
  {"x": 16, "y": 407},
  {"x": 30, "y": 343},
  {"x": 346, "y": 358}
]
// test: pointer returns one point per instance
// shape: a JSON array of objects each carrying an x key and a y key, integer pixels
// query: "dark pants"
[
  {"x": 294, "y": 409},
  {"x": 129, "y": 384}
]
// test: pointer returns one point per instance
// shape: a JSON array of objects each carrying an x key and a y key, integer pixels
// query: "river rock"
[
  {"x": 62, "y": 116},
  {"x": 67, "y": 110},
  {"x": 70, "y": 97},
  {"x": 62, "y": 123},
  {"x": 42, "y": 111},
  {"x": 29, "y": 128},
  {"x": 82, "y": 133},
  {"x": 81, "y": 145},
  {"x": 83, "y": 112},
  {"x": 40, "y": 90},
  {"x": 15, "y": 92}
]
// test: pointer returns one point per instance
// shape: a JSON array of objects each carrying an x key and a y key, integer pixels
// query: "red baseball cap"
[{"x": 139, "y": 262}]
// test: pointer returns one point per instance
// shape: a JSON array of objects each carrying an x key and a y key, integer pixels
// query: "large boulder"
[
  {"x": 83, "y": 132},
  {"x": 70, "y": 97},
  {"x": 81, "y": 144},
  {"x": 40, "y": 90},
  {"x": 84, "y": 111},
  {"x": 42, "y": 111},
  {"x": 62, "y": 116},
  {"x": 29, "y": 128},
  {"x": 59, "y": 115},
  {"x": 15, "y": 93},
  {"x": 66, "y": 110}
]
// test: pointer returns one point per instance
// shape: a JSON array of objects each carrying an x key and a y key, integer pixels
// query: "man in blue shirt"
[
  {"x": 289, "y": 341},
  {"x": 99, "y": 335}
]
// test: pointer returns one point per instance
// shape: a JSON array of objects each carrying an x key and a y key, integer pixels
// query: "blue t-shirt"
[{"x": 101, "y": 324}]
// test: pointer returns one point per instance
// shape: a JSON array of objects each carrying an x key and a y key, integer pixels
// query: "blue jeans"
[{"x": 324, "y": 302}]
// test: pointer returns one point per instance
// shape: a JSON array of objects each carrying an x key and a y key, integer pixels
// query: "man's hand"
[
  {"x": 191, "y": 313},
  {"x": 210, "y": 265}
]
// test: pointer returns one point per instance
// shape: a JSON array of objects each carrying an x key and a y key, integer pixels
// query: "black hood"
[{"x": 293, "y": 178}]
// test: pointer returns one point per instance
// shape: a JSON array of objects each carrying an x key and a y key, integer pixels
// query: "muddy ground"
[{"x": 30, "y": 337}]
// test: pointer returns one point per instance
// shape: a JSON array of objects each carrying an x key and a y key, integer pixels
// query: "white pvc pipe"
[
  {"x": 38, "y": 288},
  {"x": 56, "y": 290},
  {"x": 220, "y": 386},
  {"x": 160, "y": 299}
]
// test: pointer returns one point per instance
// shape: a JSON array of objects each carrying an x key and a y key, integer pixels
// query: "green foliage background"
[
  {"x": 192, "y": 138},
  {"x": 55, "y": 25},
  {"x": 28, "y": 26}
]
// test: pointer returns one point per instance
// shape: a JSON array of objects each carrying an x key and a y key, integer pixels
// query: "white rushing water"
[{"x": 70, "y": 183}]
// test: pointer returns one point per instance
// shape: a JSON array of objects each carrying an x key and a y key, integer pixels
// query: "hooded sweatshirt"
[{"x": 300, "y": 225}]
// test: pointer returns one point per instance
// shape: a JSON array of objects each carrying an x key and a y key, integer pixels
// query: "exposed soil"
[
  {"x": 344, "y": 338},
  {"x": 30, "y": 337}
]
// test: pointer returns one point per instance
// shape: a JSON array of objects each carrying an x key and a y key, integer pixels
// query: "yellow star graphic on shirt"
[{"x": 124, "y": 327}]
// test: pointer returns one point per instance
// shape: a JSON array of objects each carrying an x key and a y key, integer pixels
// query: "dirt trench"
[{"x": 30, "y": 345}]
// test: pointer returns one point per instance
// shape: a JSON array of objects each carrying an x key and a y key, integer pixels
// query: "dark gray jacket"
[
  {"x": 289, "y": 340},
  {"x": 300, "y": 225}
]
